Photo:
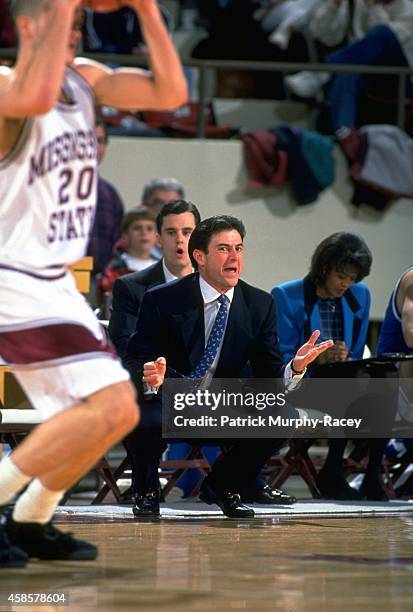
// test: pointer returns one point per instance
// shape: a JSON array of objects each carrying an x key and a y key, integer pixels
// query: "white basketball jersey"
[{"x": 48, "y": 185}]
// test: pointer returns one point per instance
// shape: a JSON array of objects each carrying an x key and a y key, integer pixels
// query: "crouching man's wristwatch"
[{"x": 297, "y": 372}]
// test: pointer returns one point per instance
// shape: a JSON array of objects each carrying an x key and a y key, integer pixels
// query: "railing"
[{"x": 204, "y": 65}]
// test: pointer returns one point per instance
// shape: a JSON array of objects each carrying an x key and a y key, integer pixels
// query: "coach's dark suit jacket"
[
  {"x": 171, "y": 324},
  {"x": 128, "y": 292}
]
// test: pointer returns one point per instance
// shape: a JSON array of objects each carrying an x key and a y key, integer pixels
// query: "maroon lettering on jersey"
[{"x": 62, "y": 150}]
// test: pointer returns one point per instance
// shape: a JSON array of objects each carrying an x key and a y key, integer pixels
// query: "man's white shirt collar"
[
  {"x": 209, "y": 294},
  {"x": 169, "y": 277}
]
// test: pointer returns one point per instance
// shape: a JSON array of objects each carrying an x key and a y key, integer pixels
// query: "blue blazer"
[{"x": 298, "y": 316}]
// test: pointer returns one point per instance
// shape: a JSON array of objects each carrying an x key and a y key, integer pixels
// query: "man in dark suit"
[
  {"x": 175, "y": 223},
  {"x": 208, "y": 324}
]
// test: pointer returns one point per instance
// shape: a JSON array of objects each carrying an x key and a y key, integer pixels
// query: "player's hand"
[
  {"x": 307, "y": 353},
  {"x": 154, "y": 372}
]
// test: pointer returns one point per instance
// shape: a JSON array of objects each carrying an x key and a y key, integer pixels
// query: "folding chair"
[
  {"x": 110, "y": 478},
  {"x": 295, "y": 461},
  {"x": 396, "y": 471},
  {"x": 170, "y": 469}
]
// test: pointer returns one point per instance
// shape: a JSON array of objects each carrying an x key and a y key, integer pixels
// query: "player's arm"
[
  {"x": 33, "y": 85},
  {"x": 164, "y": 87}
]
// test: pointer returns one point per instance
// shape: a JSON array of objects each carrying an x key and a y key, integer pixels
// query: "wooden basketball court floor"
[{"x": 314, "y": 558}]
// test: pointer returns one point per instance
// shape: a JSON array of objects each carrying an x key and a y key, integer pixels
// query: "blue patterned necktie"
[{"x": 214, "y": 339}]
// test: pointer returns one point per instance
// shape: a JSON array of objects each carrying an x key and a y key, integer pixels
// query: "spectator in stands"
[
  {"x": 330, "y": 27},
  {"x": 8, "y": 36},
  {"x": 157, "y": 192},
  {"x": 189, "y": 14},
  {"x": 107, "y": 227},
  {"x": 332, "y": 298},
  {"x": 116, "y": 32},
  {"x": 282, "y": 17},
  {"x": 135, "y": 249},
  {"x": 384, "y": 37},
  {"x": 234, "y": 33}
]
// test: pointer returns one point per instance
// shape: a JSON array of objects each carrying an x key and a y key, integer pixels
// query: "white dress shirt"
[{"x": 169, "y": 277}]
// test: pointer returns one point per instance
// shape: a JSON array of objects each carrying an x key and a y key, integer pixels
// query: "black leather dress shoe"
[
  {"x": 335, "y": 486},
  {"x": 230, "y": 503},
  {"x": 371, "y": 490},
  {"x": 146, "y": 505},
  {"x": 267, "y": 495}
]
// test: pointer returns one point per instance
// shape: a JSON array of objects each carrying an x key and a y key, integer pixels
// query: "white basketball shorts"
[{"x": 52, "y": 341}]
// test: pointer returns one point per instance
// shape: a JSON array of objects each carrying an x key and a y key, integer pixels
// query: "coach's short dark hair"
[
  {"x": 340, "y": 252},
  {"x": 177, "y": 207},
  {"x": 202, "y": 234}
]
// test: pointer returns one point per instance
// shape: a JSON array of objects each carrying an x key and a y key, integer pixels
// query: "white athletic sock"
[
  {"x": 12, "y": 480},
  {"x": 37, "y": 504}
]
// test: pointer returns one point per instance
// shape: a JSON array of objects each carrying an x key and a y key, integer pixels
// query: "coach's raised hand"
[{"x": 309, "y": 351}]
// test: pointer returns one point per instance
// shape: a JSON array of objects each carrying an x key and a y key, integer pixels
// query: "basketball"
[{"x": 102, "y": 6}]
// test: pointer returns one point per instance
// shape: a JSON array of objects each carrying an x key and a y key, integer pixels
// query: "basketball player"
[{"x": 48, "y": 335}]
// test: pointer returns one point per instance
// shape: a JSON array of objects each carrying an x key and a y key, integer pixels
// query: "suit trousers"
[{"x": 235, "y": 469}]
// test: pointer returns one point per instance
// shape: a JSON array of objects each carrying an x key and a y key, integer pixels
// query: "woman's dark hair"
[
  {"x": 202, "y": 234},
  {"x": 340, "y": 252}
]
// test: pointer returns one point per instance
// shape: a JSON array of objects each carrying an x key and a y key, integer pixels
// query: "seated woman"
[{"x": 332, "y": 298}]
